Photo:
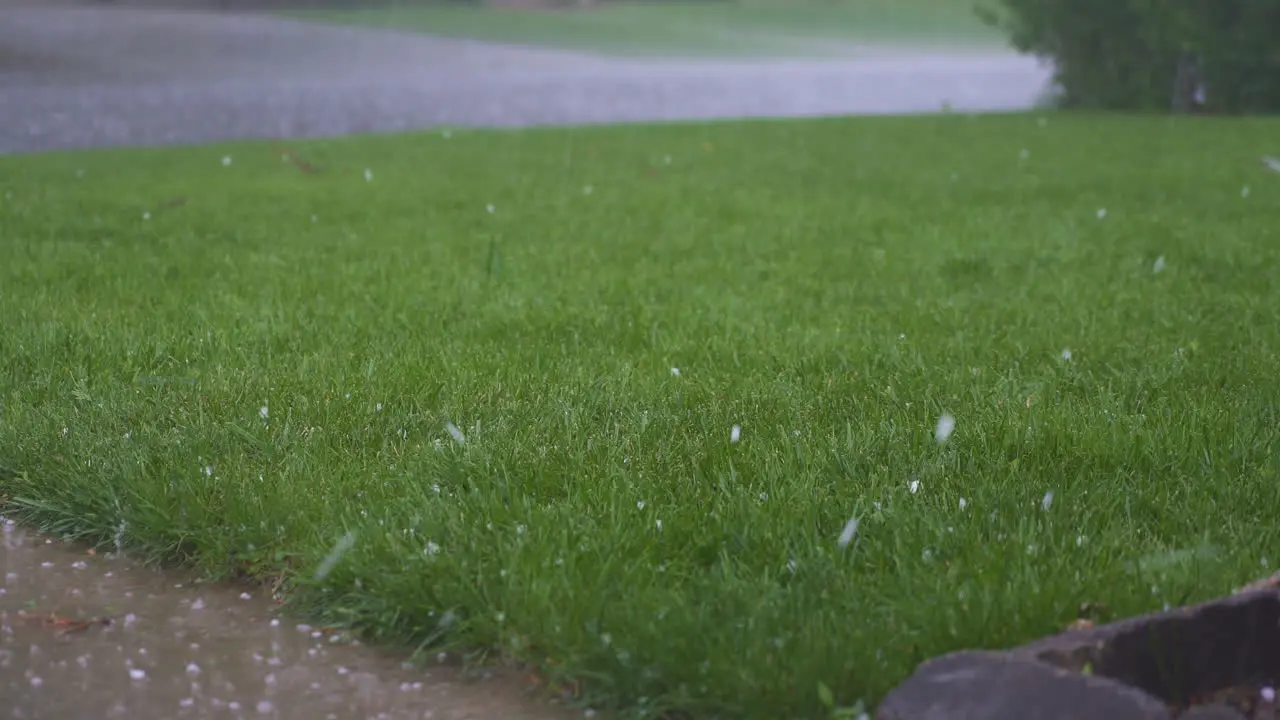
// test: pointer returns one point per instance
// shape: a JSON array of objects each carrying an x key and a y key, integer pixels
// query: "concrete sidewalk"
[{"x": 92, "y": 76}]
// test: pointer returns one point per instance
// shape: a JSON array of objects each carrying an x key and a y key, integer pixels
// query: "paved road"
[{"x": 91, "y": 76}]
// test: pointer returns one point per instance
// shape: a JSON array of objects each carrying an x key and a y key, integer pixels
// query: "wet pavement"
[
  {"x": 95, "y": 636},
  {"x": 92, "y": 76}
]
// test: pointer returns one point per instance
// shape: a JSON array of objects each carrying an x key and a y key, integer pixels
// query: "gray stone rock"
[
  {"x": 1143, "y": 667},
  {"x": 1217, "y": 711},
  {"x": 1003, "y": 686},
  {"x": 1180, "y": 654}
]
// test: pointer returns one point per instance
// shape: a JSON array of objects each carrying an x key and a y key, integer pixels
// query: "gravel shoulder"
[{"x": 74, "y": 77}]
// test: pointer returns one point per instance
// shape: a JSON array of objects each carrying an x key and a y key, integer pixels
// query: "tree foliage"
[{"x": 1220, "y": 56}]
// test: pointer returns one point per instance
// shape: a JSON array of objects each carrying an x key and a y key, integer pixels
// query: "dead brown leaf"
[
  {"x": 291, "y": 156},
  {"x": 63, "y": 625}
]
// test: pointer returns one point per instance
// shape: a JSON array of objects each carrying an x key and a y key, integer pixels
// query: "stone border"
[{"x": 1151, "y": 667}]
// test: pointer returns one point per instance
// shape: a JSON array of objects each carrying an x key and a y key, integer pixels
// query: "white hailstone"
[
  {"x": 146, "y": 216},
  {"x": 1268, "y": 694},
  {"x": 1158, "y": 265},
  {"x": 455, "y": 433},
  {"x": 735, "y": 434},
  {"x": 1271, "y": 163},
  {"x": 640, "y": 505},
  {"x": 226, "y": 161},
  {"x": 137, "y": 674},
  {"x": 946, "y": 426},
  {"x": 490, "y": 208},
  {"x": 340, "y": 548},
  {"x": 963, "y": 503},
  {"x": 675, "y": 371},
  {"x": 846, "y": 535},
  {"x": 1047, "y": 501},
  {"x": 1024, "y": 154},
  {"x": 1102, "y": 213},
  {"x": 1244, "y": 191},
  {"x": 245, "y": 596},
  {"x": 263, "y": 412},
  {"x": 368, "y": 175},
  {"x": 1066, "y": 354},
  {"x": 913, "y": 486}
]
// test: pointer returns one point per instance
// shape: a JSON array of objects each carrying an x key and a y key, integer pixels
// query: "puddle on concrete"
[{"x": 95, "y": 636}]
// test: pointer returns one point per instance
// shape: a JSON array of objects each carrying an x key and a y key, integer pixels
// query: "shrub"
[{"x": 1152, "y": 54}]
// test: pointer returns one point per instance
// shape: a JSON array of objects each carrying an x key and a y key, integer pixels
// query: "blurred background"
[
  {"x": 401, "y": 64},
  {"x": 162, "y": 71}
]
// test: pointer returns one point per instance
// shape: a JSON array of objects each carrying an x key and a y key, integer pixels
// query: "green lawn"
[
  {"x": 695, "y": 28},
  {"x": 233, "y": 366}
]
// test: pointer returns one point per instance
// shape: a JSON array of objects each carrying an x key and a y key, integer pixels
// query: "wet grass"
[
  {"x": 521, "y": 420},
  {"x": 697, "y": 28}
]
